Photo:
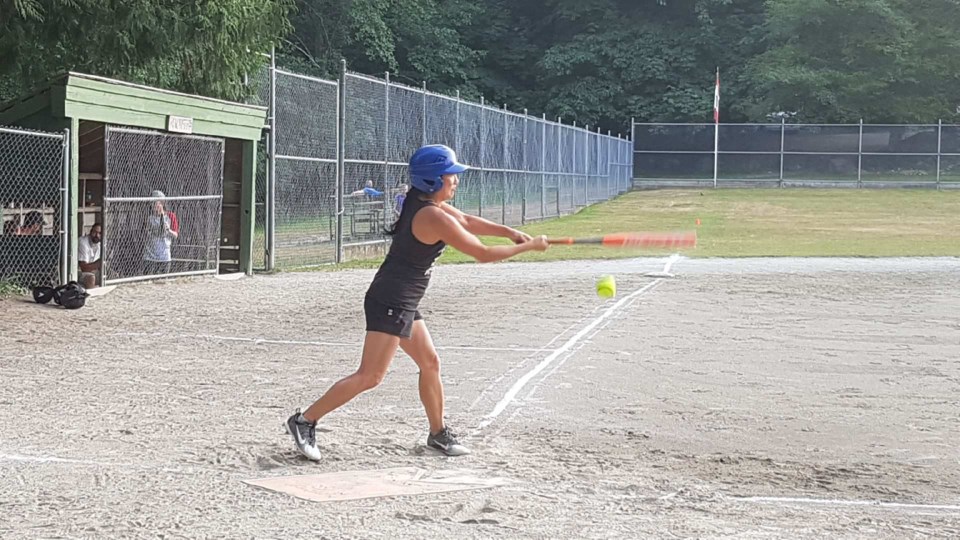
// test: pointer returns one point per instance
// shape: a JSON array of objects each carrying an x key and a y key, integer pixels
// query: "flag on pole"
[
  {"x": 716, "y": 127},
  {"x": 716, "y": 100}
]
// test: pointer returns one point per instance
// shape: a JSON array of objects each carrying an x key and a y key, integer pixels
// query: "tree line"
[{"x": 598, "y": 62}]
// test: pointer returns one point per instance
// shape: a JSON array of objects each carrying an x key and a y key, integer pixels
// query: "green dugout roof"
[
  {"x": 76, "y": 100},
  {"x": 99, "y": 99}
]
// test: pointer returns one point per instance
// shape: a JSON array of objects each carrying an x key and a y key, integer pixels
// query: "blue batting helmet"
[{"x": 430, "y": 163}]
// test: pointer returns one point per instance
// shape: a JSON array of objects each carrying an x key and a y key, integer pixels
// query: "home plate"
[
  {"x": 352, "y": 485},
  {"x": 100, "y": 291}
]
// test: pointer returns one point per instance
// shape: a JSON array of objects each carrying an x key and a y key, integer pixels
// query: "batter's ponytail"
[{"x": 414, "y": 193}]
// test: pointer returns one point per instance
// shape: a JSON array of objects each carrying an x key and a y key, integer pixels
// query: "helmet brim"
[{"x": 456, "y": 168}]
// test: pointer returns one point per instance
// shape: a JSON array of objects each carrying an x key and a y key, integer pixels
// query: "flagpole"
[{"x": 716, "y": 126}]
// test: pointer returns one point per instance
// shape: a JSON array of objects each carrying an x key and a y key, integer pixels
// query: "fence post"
[
  {"x": 543, "y": 168},
  {"x": 621, "y": 169},
  {"x": 939, "y": 148},
  {"x": 456, "y": 131},
  {"x": 559, "y": 161},
  {"x": 386, "y": 147},
  {"x": 783, "y": 130},
  {"x": 860, "y": 157},
  {"x": 503, "y": 166},
  {"x": 424, "y": 113},
  {"x": 573, "y": 151},
  {"x": 271, "y": 195},
  {"x": 523, "y": 167},
  {"x": 598, "y": 147},
  {"x": 456, "y": 121},
  {"x": 341, "y": 140},
  {"x": 596, "y": 170},
  {"x": 609, "y": 183},
  {"x": 586, "y": 164},
  {"x": 483, "y": 157},
  {"x": 105, "y": 258},
  {"x": 586, "y": 153},
  {"x": 65, "y": 208},
  {"x": 614, "y": 166},
  {"x": 633, "y": 147}
]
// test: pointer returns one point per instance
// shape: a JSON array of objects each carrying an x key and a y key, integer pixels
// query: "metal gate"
[
  {"x": 33, "y": 207},
  {"x": 162, "y": 204}
]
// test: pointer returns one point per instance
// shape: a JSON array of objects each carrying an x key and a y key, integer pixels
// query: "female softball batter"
[{"x": 427, "y": 224}]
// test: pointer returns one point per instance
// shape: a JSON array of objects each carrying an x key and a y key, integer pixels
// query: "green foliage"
[
  {"x": 602, "y": 61},
  {"x": 881, "y": 60},
  {"x": 203, "y": 46},
  {"x": 10, "y": 288},
  {"x": 416, "y": 40},
  {"x": 598, "y": 62}
]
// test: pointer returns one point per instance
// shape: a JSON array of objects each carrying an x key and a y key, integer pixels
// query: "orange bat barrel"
[
  {"x": 651, "y": 240},
  {"x": 640, "y": 240}
]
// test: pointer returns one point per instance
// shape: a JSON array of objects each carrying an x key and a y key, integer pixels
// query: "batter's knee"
[
  {"x": 370, "y": 380},
  {"x": 430, "y": 365}
]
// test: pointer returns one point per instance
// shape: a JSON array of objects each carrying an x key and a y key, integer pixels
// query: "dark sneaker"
[
  {"x": 446, "y": 442},
  {"x": 304, "y": 436}
]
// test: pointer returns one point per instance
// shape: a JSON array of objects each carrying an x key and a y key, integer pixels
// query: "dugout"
[{"x": 126, "y": 142}]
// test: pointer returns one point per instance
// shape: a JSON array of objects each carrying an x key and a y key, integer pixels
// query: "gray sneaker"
[
  {"x": 446, "y": 442},
  {"x": 304, "y": 436}
]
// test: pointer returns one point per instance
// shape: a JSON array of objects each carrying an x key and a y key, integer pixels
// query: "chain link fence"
[
  {"x": 161, "y": 206},
  {"x": 259, "y": 82},
  {"x": 852, "y": 155},
  {"x": 33, "y": 204},
  {"x": 338, "y": 150}
]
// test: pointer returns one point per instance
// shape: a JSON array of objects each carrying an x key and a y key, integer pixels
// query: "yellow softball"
[{"x": 606, "y": 287}]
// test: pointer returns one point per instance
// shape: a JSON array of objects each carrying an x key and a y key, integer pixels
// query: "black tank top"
[{"x": 405, "y": 273}]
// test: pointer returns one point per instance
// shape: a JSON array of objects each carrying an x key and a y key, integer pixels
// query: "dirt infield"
[{"x": 754, "y": 398}]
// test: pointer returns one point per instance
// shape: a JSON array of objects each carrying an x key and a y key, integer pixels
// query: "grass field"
[
  {"x": 768, "y": 222},
  {"x": 760, "y": 223},
  {"x": 755, "y": 222}
]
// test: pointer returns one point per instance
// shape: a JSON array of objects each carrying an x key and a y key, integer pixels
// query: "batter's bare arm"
[
  {"x": 432, "y": 224},
  {"x": 483, "y": 227}
]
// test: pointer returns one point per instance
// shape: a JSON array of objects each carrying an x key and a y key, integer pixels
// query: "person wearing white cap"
[{"x": 161, "y": 229}]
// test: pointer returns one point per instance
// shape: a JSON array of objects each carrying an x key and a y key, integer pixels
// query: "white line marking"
[
  {"x": 50, "y": 459},
  {"x": 847, "y": 502},
  {"x": 515, "y": 389},
  {"x": 69, "y": 461},
  {"x": 665, "y": 273},
  {"x": 193, "y": 469},
  {"x": 568, "y": 357},
  {"x": 673, "y": 258},
  {"x": 261, "y": 341},
  {"x": 517, "y": 386},
  {"x": 545, "y": 348}
]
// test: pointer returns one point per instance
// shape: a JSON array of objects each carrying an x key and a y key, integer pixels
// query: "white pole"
[
  {"x": 271, "y": 198},
  {"x": 783, "y": 135},
  {"x": 939, "y": 149},
  {"x": 632, "y": 155},
  {"x": 543, "y": 168},
  {"x": 716, "y": 129},
  {"x": 716, "y": 140},
  {"x": 860, "y": 157}
]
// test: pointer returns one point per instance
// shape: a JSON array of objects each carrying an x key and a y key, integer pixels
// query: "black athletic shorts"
[{"x": 393, "y": 321}]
